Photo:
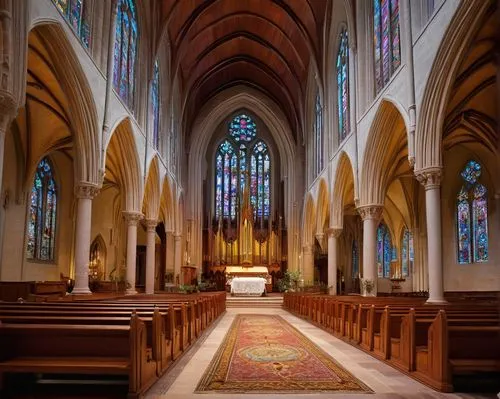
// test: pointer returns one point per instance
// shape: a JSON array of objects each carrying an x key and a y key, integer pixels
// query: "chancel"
[{"x": 249, "y": 197}]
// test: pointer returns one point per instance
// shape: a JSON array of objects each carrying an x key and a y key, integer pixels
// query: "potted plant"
[
  {"x": 289, "y": 282},
  {"x": 368, "y": 286}
]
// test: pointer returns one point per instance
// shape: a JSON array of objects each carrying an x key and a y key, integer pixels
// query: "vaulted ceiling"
[{"x": 262, "y": 44}]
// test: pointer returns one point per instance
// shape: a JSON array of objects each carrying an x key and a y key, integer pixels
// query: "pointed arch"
[
  {"x": 83, "y": 116},
  {"x": 123, "y": 166},
  {"x": 461, "y": 30},
  {"x": 322, "y": 207},
  {"x": 167, "y": 210},
  {"x": 309, "y": 220},
  {"x": 386, "y": 148},
  {"x": 343, "y": 190},
  {"x": 151, "y": 200}
]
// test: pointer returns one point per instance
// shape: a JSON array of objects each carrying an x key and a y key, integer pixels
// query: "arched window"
[
  {"x": 42, "y": 214},
  {"x": 386, "y": 40},
  {"x": 406, "y": 253},
  {"x": 384, "y": 251},
  {"x": 242, "y": 165},
  {"x": 155, "y": 103},
  {"x": 472, "y": 216},
  {"x": 343, "y": 86},
  {"x": 76, "y": 13},
  {"x": 97, "y": 258},
  {"x": 125, "y": 52},
  {"x": 355, "y": 259},
  {"x": 318, "y": 134}
]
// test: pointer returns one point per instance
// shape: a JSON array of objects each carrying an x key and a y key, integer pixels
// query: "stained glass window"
[
  {"x": 386, "y": 39},
  {"x": 125, "y": 51},
  {"x": 155, "y": 102},
  {"x": 242, "y": 160},
  {"x": 384, "y": 251},
  {"x": 42, "y": 214},
  {"x": 472, "y": 216},
  {"x": 343, "y": 86},
  {"x": 77, "y": 14},
  {"x": 318, "y": 134},
  {"x": 355, "y": 259},
  {"x": 406, "y": 253}
]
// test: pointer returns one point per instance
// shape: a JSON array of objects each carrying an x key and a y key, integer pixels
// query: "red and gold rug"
[{"x": 262, "y": 353}]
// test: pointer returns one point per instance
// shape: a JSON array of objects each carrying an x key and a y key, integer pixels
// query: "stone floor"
[{"x": 386, "y": 382}]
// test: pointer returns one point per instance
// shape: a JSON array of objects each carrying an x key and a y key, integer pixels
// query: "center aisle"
[{"x": 386, "y": 382}]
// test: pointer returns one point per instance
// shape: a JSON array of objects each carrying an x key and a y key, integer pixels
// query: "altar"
[{"x": 252, "y": 286}]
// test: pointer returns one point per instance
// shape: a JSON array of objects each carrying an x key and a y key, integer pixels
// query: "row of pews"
[
  {"x": 433, "y": 344},
  {"x": 132, "y": 340}
]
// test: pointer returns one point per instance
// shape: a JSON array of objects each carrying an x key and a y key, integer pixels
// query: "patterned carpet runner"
[{"x": 262, "y": 353}]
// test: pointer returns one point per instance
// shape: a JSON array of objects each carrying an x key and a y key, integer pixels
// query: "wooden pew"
[{"x": 79, "y": 349}]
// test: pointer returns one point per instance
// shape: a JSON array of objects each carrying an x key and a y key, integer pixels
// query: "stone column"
[
  {"x": 150, "y": 255},
  {"x": 177, "y": 258},
  {"x": 308, "y": 262},
  {"x": 132, "y": 219},
  {"x": 333, "y": 235},
  {"x": 84, "y": 193},
  {"x": 431, "y": 180},
  {"x": 371, "y": 217}
]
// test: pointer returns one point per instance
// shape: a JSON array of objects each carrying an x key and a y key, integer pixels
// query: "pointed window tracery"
[
  {"x": 76, "y": 13},
  {"x": 42, "y": 214},
  {"x": 384, "y": 251},
  {"x": 155, "y": 102},
  {"x": 343, "y": 86}
]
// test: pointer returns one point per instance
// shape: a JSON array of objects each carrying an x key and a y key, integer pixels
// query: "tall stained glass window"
[
  {"x": 155, "y": 103},
  {"x": 355, "y": 259},
  {"x": 386, "y": 40},
  {"x": 472, "y": 216},
  {"x": 125, "y": 51},
  {"x": 76, "y": 13},
  {"x": 242, "y": 164},
  {"x": 343, "y": 86},
  {"x": 42, "y": 214},
  {"x": 406, "y": 253},
  {"x": 318, "y": 134},
  {"x": 384, "y": 251}
]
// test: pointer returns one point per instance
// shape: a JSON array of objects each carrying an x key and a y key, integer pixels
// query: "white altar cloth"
[{"x": 248, "y": 285}]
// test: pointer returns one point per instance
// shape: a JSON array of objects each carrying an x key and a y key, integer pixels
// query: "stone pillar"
[
  {"x": 431, "y": 180},
  {"x": 371, "y": 217},
  {"x": 132, "y": 219},
  {"x": 333, "y": 235},
  {"x": 177, "y": 258},
  {"x": 84, "y": 193},
  {"x": 150, "y": 255},
  {"x": 308, "y": 262}
]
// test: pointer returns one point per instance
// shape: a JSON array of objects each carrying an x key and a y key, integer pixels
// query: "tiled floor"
[{"x": 181, "y": 381}]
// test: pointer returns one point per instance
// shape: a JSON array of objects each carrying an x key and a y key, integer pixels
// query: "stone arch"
[
  {"x": 322, "y": 206},
  {"x": 179, "y": 212},
  {"x": 387, "y": 140},
  {"x": 461, "y": 30},
  {"x": 122, "y": 165},
  {"x": 309, "y": 220},
  {"x": 152, "y": 191},
  {"x": 343, "y": 189},
  {"x": 83, "y": 115},
  {"x": 167, "y": 213}
]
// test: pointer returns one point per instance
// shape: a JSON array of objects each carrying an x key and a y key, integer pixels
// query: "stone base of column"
[
  {"x": 130, "y": 291},
  {"x": 332, "y": 291},
  {"x": 81, "y": 291},
  {"x": 436, "y": 302}
]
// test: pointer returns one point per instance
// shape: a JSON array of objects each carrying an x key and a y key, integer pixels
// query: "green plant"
[
  {"x": 289, "y": 281},
  {"x": 188, "y": 288}
]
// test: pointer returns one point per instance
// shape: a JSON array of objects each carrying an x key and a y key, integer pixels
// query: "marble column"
[
  {"x": 431, "y": 180},
  {"x": 333, "y": 235},
  {"x": 84, "y": 193},
  {"x": 132, "y": 219},
  {"x": 371, "y": 217},
  {"x": 177, "y": 258},
  {"x": 308, "y": 265},
  {"x": 150, "y": 254}
]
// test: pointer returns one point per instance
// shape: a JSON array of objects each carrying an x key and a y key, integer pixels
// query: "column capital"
[
  {"x": 334, "y": 232},
  {"x": 307, "y": 249},
  {"x": 8, "y": 108},
  {"x": 150, "y": 224},
  {"x": 177, "y": 236},
  {"x": 370, "y": 212},
  {"x": 86, "y": 190},
  {"x": 430, "y": 178},
  {"x": 132, "y": 217}
]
